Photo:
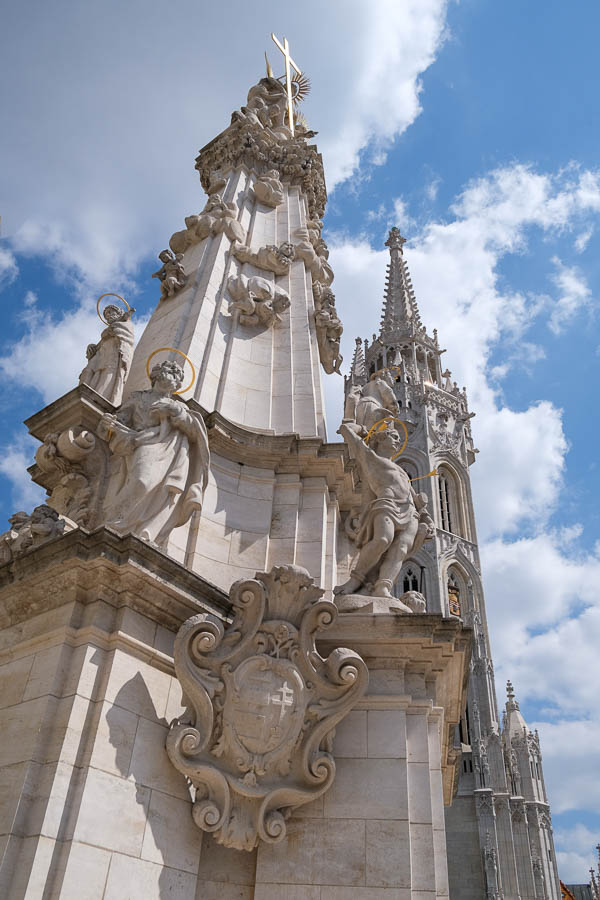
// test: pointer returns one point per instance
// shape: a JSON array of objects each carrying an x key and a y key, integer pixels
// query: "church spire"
[
  {"x": 358, "y": 370},
  {"x": 399, "y": 303},
  {"x": 515, "y": 723}
]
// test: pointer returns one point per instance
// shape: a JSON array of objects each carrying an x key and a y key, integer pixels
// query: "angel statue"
[
  {"x": 393, "y": 522},
  {"x": 109, "y": 360},
  {"x": 171, "y": 273},
  {"x": 161, "y": 459}
]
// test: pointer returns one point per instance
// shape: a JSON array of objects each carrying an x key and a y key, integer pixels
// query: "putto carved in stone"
[
  {"x": 259, "y": 138},
  {"x": 266, "y": 106},
  {"x": 171, "y": 274},
  {"x": 262, "y": 705},
  {"x": 258, "y": 301},
  {"x": 312, "y": 249},
  {"x": 217, "y": 217},
  {"x": 270, "y": 258},
  {"x": 29, "y": 531}
]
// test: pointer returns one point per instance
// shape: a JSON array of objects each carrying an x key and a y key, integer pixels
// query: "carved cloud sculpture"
[{"x": 261, "y": 707}]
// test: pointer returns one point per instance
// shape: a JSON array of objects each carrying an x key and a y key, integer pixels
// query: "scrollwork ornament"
[{"x": 262, "y": 705}]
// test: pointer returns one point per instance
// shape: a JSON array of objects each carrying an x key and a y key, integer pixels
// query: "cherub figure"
[
  {"x": 171, "y": 273},
  {"x": 110, "y": 359},
  {"x": 258, "y": 301},
  {"x": 393, "y": 522}
]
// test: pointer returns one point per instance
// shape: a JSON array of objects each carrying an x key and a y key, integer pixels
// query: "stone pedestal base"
[
  {"x": 352, "y": 603},
  {"x": 91, "y": 805},
  {"x": 379, "y": 831}
]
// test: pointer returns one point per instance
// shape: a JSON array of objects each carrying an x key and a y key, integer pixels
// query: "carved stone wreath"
[{"x": 262, "y": 706}]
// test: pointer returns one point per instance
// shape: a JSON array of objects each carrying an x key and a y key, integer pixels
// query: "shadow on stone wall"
[{"x": 160, "y": 789}]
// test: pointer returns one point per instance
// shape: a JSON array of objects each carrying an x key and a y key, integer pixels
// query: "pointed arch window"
[
  {"x": 454, "y": 592},
  {"x": 446, "y": 498},
  {"x": 411, "y": 580}
]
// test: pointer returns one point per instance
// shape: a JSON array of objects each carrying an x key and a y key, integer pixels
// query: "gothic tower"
[{"x": 498, "y": 828}]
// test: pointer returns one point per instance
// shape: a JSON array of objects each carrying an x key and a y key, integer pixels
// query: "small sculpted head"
[
  {"x": 44, "y": 512},
  {"x": 166, "y": 377},
  {"x": 18, "y": 519},
  {"x": 165, "y": 256},
  {"x": 286, "y": 251},
  {"x": 385, "y": 442},
  {"x": 113, "y": 313}
]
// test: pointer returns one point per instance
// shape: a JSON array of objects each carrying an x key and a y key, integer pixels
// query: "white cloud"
[
  {"x": 51, "y": 354},
  {"x": 571, "y": 746},
  {"x": 401, "y": 216},
  {"x": 14, "y": 460},
  {"x": 114, "y": 175},
  {"x": 583, "y": 239},
  {"x": 542, "y": 598},
  {"x": 574, "y": 294},
  {"x": 397, "y": 45},
  {"x": 432, "y": 188},
  {"x": 576, "y": 855},
  {"x": 8, "y": 267}
]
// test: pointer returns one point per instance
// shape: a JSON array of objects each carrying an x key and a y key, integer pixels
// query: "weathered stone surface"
[{"x": 262, "y": 705}]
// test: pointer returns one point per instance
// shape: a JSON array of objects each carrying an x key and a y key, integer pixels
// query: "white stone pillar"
[{"x": 380, "y": 827}]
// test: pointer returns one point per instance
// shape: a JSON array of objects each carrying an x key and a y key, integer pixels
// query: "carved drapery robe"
[
  {"x": 159, "y": 469},
  {"x": 107, "y": 369}
]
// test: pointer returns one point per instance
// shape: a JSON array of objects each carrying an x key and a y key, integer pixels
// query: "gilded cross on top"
[{"x": 289, "y": 64}]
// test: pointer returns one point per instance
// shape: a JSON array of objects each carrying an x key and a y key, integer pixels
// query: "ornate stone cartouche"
[{"x": 262, "y": 705}]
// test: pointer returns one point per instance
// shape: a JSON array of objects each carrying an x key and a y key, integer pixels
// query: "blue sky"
[{"x": 472, "y": 126}]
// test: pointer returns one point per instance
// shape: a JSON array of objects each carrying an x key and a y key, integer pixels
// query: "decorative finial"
[
  {"x": 269, "y": 69},
  {"x": 395, "y": 239},
  {"x": 510, "y": 692}
]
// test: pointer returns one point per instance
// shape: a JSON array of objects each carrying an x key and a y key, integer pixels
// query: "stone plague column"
[{"x": 213, "y": 515}]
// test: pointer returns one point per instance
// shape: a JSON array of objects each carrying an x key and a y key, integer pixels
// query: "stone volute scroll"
[
  {"x": 160, "y": 458},
  {"x": 110, "y": 359},
  {"x": 262, "y": 706}
]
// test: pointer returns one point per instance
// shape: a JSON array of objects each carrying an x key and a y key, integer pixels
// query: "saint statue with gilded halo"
[
  {"x": 161, "y": 458},
  {"x": 109, "y": 360}
]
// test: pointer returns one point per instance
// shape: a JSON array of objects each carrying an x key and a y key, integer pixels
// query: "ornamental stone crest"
[{"x": 262, "y": 706}]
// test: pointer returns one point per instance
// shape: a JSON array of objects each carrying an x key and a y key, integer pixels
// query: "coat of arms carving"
[{"x": 262, "y": 706}]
